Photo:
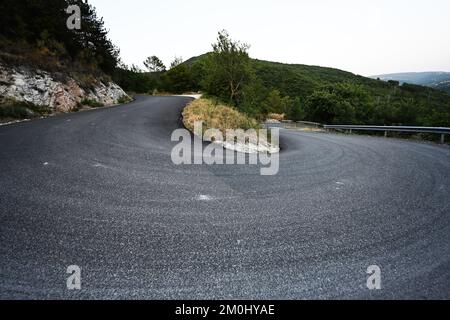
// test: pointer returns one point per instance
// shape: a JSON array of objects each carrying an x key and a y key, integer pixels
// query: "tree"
[
  {"x": 176, "y": 62},
  {"x": 154, "y": 64},
  {"x": 42, "y": 26},
  {"x": 275, "y": 103},
  {"x": 178, "y": 79},
  {"x": 329, "y": 108},
  {"x": 227, "y": 68},
  {"x": 296, "y": 111},
  {"x": 252, "y": 97},
  {"x": 135, "y": 80}
]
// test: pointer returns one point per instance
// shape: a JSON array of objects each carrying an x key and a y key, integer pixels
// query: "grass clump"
[
  {"x": 276, "y": 116},
  {"x": 14, "y": 112},
  {"x": 12, "y": 109},
  {"x": 124, "y": 99},
  {"x": 92, "y": 103},
  {"x": 216, "y": 116}
]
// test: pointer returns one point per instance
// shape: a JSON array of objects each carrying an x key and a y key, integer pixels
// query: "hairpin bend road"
[{"x": 98, "y": 189}]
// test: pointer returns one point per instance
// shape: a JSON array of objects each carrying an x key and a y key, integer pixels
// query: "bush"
[
  {"x": 92, "y": 103},
  {"x": 14, "y": 112},
  {"x": 124, "y": 99},
  {"x": 22, "y": 110},
  {"x": 276, "y": 116}
]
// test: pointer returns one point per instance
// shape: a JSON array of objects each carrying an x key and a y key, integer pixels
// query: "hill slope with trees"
[
  {"x": 34, "y": 32},
  {"x": 302, "y": 92},
  {"x": 46, "y": 66}
]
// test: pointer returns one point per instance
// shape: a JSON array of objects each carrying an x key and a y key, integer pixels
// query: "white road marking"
[
  {"x": 99, "y": 165},
  {"x": 204, "y": 197}
]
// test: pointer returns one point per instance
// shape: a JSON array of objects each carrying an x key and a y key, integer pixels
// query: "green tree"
[
  {"x": 275, "y": 103},
  {"x": 154, "y": 64},
  {"x": 179, "y": 79},
  {"x": 42, "y": 25},
  {"x": 252, "y": 97},
  {"x": 176, "y": 62},
  {"x": 296, "y": 111},
  {"x": 329, "y": 108},
  {"x": 227, "y": 68}
]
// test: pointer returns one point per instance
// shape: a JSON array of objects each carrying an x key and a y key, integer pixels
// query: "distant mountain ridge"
[{"x": 438, "y": 80}]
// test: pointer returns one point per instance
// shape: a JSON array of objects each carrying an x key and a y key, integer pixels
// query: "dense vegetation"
[
  {"x": 334, "y": 96},
  {"x": 301, "y": 92},
  {"x": 35, "y": 32},
  {"x": 22, "y": 110}
]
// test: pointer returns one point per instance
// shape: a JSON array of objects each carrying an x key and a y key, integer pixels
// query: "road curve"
[{"x": 98, "y": 189}]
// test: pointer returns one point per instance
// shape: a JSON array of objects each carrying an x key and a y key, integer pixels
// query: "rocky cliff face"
[{"x": 42, "y": 89}]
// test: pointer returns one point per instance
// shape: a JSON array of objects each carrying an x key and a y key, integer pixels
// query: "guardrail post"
[
  {"x": 442, "y": 138},
  {"x": 385, "y": 134},
  {"x": 351, "y": 131}
]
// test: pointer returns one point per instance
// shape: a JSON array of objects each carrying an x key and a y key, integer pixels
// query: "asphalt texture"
[{"x": 98, "y": 189}]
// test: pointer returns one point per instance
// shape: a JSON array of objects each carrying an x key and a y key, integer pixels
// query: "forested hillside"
[
  {"x": 330, "y": 96},
  {"x": 46, "y": 66},
  {"x": 34, "y": 32},
  {"x": 334, "y": 96}
]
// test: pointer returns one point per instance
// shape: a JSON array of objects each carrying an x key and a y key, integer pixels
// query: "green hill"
[{"x": 335, "y": 96}]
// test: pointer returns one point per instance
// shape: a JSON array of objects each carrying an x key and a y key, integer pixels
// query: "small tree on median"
[{"x": 227, "y": 68}]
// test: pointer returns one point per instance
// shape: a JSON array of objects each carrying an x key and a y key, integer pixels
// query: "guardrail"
[
  {"x": 443, "y": 131},
  {"x": 292, "y": 124},
  {"x": 386, "y": 129}
]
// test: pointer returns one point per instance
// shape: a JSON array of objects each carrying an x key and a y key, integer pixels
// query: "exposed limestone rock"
[{"x": 41, "y": 89}]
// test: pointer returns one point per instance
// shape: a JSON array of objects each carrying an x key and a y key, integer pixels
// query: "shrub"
[
  {"x": 14, "y": 112},
  {"x": 124, "y": 99},
  {"x": 92, "y": 103},
  {"x": 22, "y": 110},
  {"x": 276, "y": 116}
]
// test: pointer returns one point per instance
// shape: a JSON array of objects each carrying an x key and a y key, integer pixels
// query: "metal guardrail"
[
  {"x": 443, "y": 131},
  {"x": 436, "y": 130},
  {"x": 292, "y": 124},
  {"x": 307, "y": 123}
]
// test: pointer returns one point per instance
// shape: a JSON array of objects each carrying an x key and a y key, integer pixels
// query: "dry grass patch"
[
  {"x": 275, "y": 116},
  {"x": 216, "y": 116}
]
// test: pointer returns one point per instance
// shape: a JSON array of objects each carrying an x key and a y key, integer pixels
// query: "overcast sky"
[{"x": 366, "y": 37}]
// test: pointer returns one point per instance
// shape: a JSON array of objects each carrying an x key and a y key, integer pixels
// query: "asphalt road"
[{"x": 98, "y": 189}]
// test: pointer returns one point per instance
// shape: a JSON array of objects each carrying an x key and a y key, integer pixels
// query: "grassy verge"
[
  {"x": 92, "y": 103},
  {"x": 216, "y": 116},
  {"x": 124, "y": 99},
  {"x": 13, "y": 110}
]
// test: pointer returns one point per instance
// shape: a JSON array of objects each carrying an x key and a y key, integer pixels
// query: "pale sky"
[{"x": 366, "y": 37}]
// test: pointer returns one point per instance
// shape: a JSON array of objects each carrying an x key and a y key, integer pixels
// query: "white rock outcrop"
[{"x": 42, "y": 89}]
